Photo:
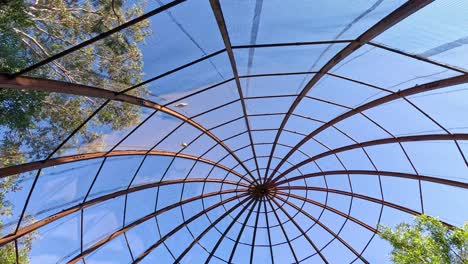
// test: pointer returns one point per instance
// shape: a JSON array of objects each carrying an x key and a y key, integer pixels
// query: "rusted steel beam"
[
  {"x": 254, "y": 232},
  {"x": 382, "y": 173},
  {"x": 52, "y": 218},
  {"x": 430, "y": 137},
  {"x": 241, "y": 231},
  {"x": 301, "y": 230},
  {"x": 27, "y": 83},
  {"x": 352, "y": 194},
  {"x": 213, "y": 251},
  {"x": 284, "y": 232},
  {"x": 191, "y": 219},
  {"x": 218, "y": 13},
  {"x": 332, "y": 209},
  {"x": 380, "y": 101},
  {"x": 213, "y": 224},
  {"x": 268, "y": 231},
  {"x": 360, "y": 196},
  {"x": 393, "y": 18},
  {"x": 4, "y": 172},
  {"x": 121, "y": 231},
  {"x": 335, "y": 235}
]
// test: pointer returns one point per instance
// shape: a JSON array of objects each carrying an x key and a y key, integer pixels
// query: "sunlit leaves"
[{"x": 427, "y": 240}]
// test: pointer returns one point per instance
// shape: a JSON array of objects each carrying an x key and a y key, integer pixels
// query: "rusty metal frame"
[
  {"x": 215, "y": 248},
  {"x": 185, "y": 223},
  {"x": 284, "y": 231},
  {"x": 17, "y": 169},
  {"x": 14, "y": 81},
  {"x": 391, "y": 97},
  {"x": 54, "y": 217},
  {"x": 393, "y": 18},
  {"x": 360, "y": 196},
  {"x": 427, "y": 137},
  {"x": 103, "y": 241},
  {"x": 332, "y": 209},
  {"x": 241, "y": 231},
  {"x": 317, "y": 250},
  {"x": 381, "y": 173},
  {"x": 27, "y": 83},
  {"x": 326, "y": 228}
]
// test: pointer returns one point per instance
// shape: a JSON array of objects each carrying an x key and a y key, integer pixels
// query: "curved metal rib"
[
  {"x": 382, "y": 173},
  {"x": 135, "y": 223},
  {"x": 254, "y": 232},
  {"x": 380, "y": 101},
  {"x": 173, "y": 231},
  {"x": 429, "y": 137},
  {"x": 4, "y": 172},
  {"x": 241, "y": 231},
  {"x": 360, "y": 196},
  {"x": 103, "y": 241},
  {"x": 211, "y": 226},
  {"x": 301, "y": 230},
  {"x": 52, "y": 218},
  {"x": 324, "y": 227},
  {"x": 268, "y": 231},
  {"x": 332, "y": 209},
  {"x": 213, "y": 251},
  {"x": 396, "y": 16},
  {"x": 284, "y": 232},
  {"x": 27, "y": 83},
  {"x": 218, "y": 13}
]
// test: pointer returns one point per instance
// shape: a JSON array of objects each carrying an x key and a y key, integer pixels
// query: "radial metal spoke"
[
  {"x": 315, "y": 220},
  {"x": 254, "y": 236},
  {"x": 211, "y": 226},
  {"x": 360, "y": 196},
  {"x": 332, "y": 209},
  {"x": 218, "y": 13},
  {"x": 268, "y": 230},
  {"x": 234, "y": 248},
  {"x": 284, "y": 232},
  {"x": 27, "y": 83},
  {"x": 393, "y": 18},
  {"x": 300, "y": 229},
  {"x": 17, "y": 169},
  {"x": 105, "y": 240},
  {"x": 380, "y": 101},
  {"x": 215, "y": 248},
  {"x": 191, "y": 219}
]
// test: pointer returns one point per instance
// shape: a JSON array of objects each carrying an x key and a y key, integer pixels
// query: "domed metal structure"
[{"x": 267, "y": 132}]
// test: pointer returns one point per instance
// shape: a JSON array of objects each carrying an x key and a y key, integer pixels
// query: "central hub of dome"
[{"x": 259, "y": 191}]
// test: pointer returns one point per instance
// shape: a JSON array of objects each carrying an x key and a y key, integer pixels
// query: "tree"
[
  {"x": 427, "y": 240},
  {"x": 32, "y": 123}
]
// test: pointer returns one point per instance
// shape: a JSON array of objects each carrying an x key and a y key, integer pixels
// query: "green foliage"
[
  {"x": 33, "y": 123},
  {"x": 427, "y": 240}
]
